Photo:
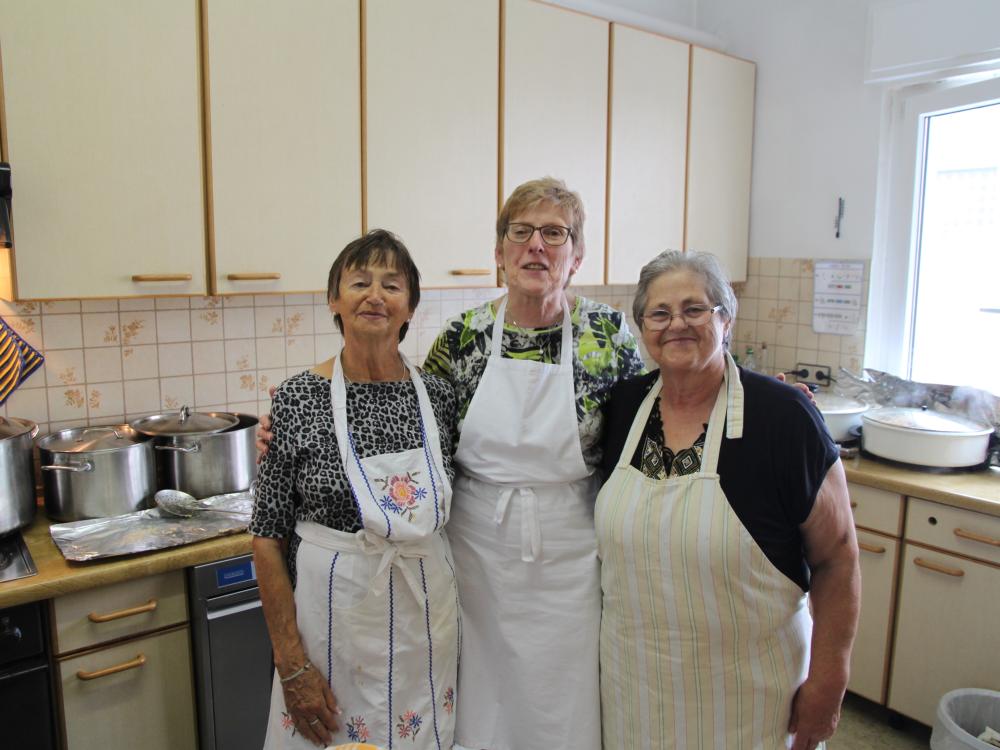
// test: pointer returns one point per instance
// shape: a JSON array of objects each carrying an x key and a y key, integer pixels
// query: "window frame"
[{"x": 891, "y": 298}]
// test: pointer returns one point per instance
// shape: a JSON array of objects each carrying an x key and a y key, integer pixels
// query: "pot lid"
[
  {"x": 926, "y": 421},
  {"x": 831, "y": 403},
  {"x": 185, "y": 422},
  {"x": 91, "y": 439},
  {"x": 11, "y": 427}
]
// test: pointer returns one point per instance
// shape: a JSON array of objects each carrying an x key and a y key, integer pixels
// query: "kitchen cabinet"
[
  {"x": 284, "y": 101},
  {"x": 948, "y": 608},
  {"x": 432, "y": 133},
  {"x": 103, "y": 132},
  {"x": 555, "y": 111},
  {"x": 878, "y": 517},
  {"x": 720, "y": 144},
  {"x": 124, "y": 665},
  {"x": 648, "y": 149}
]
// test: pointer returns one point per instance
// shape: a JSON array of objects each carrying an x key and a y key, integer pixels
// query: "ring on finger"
[{"x": 314, "y": 722}]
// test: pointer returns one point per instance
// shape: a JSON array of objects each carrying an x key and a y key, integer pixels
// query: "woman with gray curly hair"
[{"x": 724, "y": 515}]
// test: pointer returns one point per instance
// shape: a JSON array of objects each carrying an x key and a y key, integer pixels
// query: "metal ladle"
[{"x": 181, "y": 504}]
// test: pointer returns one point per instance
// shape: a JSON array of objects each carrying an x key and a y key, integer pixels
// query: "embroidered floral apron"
[
  {"x": 378, "y": 610},
  {"x": 522, "y": 532},
  {"x": 703, "y": 640}
]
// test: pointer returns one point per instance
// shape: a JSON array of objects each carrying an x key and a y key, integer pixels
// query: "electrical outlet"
[{"x": 812, "y": 374}]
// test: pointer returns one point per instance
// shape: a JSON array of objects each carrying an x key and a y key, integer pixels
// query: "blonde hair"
[{"x": 548, "y": 190}]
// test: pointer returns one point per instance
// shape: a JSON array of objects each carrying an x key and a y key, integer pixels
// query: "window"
[{"x": 934, "y": 310}]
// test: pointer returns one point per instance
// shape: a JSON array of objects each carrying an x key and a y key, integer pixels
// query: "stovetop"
[{"x": 15, "y": 560}]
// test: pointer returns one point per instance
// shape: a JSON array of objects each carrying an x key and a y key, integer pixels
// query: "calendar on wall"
[{"x": 837, "y": 290}]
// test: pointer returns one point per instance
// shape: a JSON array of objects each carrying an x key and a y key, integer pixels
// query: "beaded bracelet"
[{"x": 297, "y": 673}]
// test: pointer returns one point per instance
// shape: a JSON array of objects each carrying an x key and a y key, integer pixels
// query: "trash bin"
[{"x": 961, "y": 717}]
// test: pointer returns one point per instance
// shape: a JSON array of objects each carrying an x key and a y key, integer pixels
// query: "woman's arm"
[
  {"x": 831, "y": 549},
  {"x": 307, "y": 695}
]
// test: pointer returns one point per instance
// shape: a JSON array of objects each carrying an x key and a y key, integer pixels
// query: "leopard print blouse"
[{"x": 302, "y": 477}]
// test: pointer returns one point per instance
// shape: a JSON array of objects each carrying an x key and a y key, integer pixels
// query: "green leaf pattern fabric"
[{"x": 604, "y": 350}]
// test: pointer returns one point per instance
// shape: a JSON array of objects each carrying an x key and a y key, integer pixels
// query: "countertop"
[
  {"x": 978, "y": 491},
  {"x": 974, "y": 490},
  {"x": 56, "y": 576}
]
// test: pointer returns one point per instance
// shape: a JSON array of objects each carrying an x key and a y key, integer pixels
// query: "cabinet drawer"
[
  {"x": 120, "y": 610},
  {"x": 144, "y": 698},
  {"x": 878, "y": 510},
  {"x": 945, "y": 630},
  {"x": 954, "y": 529},
  {"x": 869, "y": 659}
]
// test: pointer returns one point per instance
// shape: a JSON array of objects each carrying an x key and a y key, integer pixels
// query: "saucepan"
[
  {"x": 17, "y": 473},
  {"x": 841, "y": 414},
  {"x": 925, "y": 438}
]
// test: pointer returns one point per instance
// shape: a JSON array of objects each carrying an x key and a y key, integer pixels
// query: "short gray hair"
[{"x": 705, "y": 265}]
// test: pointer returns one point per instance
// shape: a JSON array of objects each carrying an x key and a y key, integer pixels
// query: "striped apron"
[{"x": 703, "y": 640}]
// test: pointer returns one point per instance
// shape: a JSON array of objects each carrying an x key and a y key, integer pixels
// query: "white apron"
[
  {"x": 378, "y": 610},
  {"x": 522, "y": 533},
  {"x": 703, "y": 640}
]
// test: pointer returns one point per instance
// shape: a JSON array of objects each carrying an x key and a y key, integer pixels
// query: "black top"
[{"x": 770, "y": 476}]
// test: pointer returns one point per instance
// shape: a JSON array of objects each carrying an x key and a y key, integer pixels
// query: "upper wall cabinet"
[
  {"x": 431, "y": 124},
  {"x": 285, "y": 148},
  {"x": 719, "y": 153},
  {"x": 103, "y": 133},
  {"x": 649, "y": 97},
  {"x": 555, "y": 110}
]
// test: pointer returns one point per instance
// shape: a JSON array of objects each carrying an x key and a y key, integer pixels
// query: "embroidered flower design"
[
  {"x": 409, "y": 725},
  {"x": 402, "y": 494},
  {"x": 287, "y": 722},
  {"x": 357, "y": 730},
  {"x": 449, "y": 700}
]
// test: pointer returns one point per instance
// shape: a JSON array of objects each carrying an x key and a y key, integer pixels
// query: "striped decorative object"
[{"x": 18, "y": 359}]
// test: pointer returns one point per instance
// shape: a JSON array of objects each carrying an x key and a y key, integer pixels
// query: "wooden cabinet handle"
[
  {"x": 871, "y": 548},
  {"x": 471, "y": 271},
  {"x": 921, "y": 562},
  {"x": 147, "y": 607},
  {"x": 137, "y": 662},
  {"x": 253, "y": 276},
  {"x": 161, "y": 277},
  {"x": 973, "y": 536}
]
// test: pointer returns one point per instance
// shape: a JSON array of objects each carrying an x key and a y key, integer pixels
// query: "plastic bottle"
[{"x": 750, "y": 361}]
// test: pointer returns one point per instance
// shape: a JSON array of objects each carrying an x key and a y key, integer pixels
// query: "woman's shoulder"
[
  {"x": 437, "y": 385},
  {"x": 305, "y": 384},
  {"x": 477, "y": 318},
  {"x": 590, "y": 309},
  {"x": 770, "y": 392},
  {"x": 632, "y": 389}
]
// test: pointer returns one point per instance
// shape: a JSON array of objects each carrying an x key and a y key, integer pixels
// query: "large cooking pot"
[
  {"x": 841, "y": 414},
  {"x": 17, "y": 473},
  {"x": 210, "y": 460},
  {"x": 95, "y": 472},
  {"x": 925, "y": 438}
]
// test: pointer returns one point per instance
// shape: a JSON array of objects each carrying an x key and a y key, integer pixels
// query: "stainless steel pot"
[
  {"x": 207, "y": 464},
  {"x": 925, "y": 438},
  {"x": 95, "y": 472},
  {"x": 17, "y": 474},
  {"x": 841, "y": 414}
]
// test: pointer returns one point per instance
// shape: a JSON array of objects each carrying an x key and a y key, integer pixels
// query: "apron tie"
[
  {"x": 393, "y": 554},
  {"x": 531, "y": 529}
]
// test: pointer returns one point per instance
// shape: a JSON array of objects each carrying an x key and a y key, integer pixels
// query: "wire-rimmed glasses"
[
  {"x": 692, "y": 315},
  {"x": 552, "y": 235}
]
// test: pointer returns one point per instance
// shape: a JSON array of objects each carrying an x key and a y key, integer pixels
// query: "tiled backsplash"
[
  {"x": 113, "y": 360},
  {"x": 108, "y": 361}
]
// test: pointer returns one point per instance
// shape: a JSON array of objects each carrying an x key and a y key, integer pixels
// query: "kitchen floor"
[{"x": 865, "y": 726}]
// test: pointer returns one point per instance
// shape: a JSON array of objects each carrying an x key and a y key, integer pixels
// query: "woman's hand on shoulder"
[
  {"x": 264, "y": 434},
  {"x": 801, "y": 386}
]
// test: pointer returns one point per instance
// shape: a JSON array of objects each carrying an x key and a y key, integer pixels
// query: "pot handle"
[
  {"x": 179, "y": 448},
  {"x": 85, "y": 466}
]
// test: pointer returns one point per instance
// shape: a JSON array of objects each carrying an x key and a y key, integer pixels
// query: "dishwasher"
[{"x": 232, "y": 654}]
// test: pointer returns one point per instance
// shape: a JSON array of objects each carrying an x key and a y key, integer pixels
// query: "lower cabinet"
[
  {"x": 134, "y": 694},
  {"x": 870, "y": 658},
  {"x": 946, "y": 636}
]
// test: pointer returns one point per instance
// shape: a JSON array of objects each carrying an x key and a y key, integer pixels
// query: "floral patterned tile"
[
  {"x": 101, "y": 329},
  {"x": 62, "y": 331},
  {"x": 67, "y": 402},
  {"x": 105, "y": 400},
  {"x": 103, "y": 363},
  {"x": 140, "y": 362},
  {"x": 65, "y": 367},
  {"x": 176, "y": 392}
]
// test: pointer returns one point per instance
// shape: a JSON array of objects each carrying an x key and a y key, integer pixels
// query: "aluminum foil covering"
[{"x": 153, "y": 529}]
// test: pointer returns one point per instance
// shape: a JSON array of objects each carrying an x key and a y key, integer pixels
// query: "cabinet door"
[
  {"x": 946, "y": 632},
  {"x": 284, "y": 92},
  {"x": 719, "y": 152},
  {"x": 870, "y": 657},
  {"x": 431, "y": 133},
  {"x": 555, "y": 110},
  {"x": 648, "y": 142},
  {"x": 103, "y": 132},
  {"x": 876, "y": 510},
  {"x": 147, "y": 703}
]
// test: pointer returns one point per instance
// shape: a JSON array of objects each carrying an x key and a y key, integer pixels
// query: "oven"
[
  {"x": 26, "y": 692},
  {"x": 232, "y": 654}
]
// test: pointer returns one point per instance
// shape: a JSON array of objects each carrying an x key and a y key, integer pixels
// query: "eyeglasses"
[
  {"x": 693, "y": 315},
  {"x": 553, "y": 235}
]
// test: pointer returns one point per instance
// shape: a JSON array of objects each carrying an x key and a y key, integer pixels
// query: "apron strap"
[
  {"x": 565, "y": 353},
  {"x": 531, "y": 528}
]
